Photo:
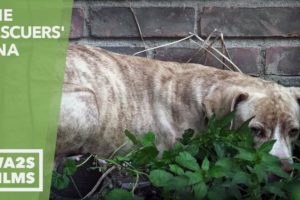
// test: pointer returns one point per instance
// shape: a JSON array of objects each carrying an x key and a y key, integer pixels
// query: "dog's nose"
[{"x": 286, "y": 166}]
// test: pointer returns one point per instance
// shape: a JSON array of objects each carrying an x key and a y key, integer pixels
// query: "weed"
[{"x": 218, "y": 164}]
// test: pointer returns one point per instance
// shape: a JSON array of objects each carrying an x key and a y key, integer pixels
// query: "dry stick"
[
  {"x": 213, "y": 55},
  {"x": 139, "y": 28},
  {"x": 206, "y": 49},
  {"x": 99, "y": 182},
  {"x": 223, "y": 43},
  {"x": 164, "y": 45},
  {"x": 118, "y": 149},
  {"x": 135, "y": 183},
  {"x": 207, "y": 39},
  {"x": 103, "y": 187},
  {"x": 79, "y": 165},
  {"x": 223, "y": 52},
  {"x": 200, "y": 39},
  {"x": 224, "y": 46},
  {"x": 198, "y": 51},
  {"x": 216, "y": 50},
  {"x": 209, "y": 45},
  {"x": 75, "y": 186}
]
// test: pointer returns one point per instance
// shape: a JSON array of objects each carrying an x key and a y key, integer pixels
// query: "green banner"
[{"x": 33, "y": 43}]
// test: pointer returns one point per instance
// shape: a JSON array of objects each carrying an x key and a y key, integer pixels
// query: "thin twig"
[
  {"x": 103, "y": 187},
  {"x": 118, "y": 149},
  {"x": 164, "y": 45},
  {"x": 224, "y": 46},
  {"x": 216, "y": 50},
  {"x": 199, "y": 49},
  {"x": 140, "y": 30},
  {"x": 75, "y": 186},
  {"x": 213, "y": 55},
  {"x": 79, "y": 165},
  {"x": 135, "y": 183},
  {"x": 204, "y": 46},
  {"x": 99, "y": 182},
  {"x": 207, "y": 39}
]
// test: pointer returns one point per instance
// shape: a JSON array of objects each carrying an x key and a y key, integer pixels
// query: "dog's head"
[{"x": 275, "y": 111}]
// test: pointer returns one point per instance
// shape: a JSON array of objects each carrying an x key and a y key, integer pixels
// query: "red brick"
[
  {"x": 77, "y": 25},
  {"x": 251, "y": 22},
  {"x": 166, "y": 22},
  {"x": 247, "y": 59},
  {"x": 154, "y": 22},
  {"x": 283, "y": 60},
  {"x": 112, "y": 22}
]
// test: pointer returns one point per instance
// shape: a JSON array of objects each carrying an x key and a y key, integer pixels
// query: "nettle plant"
[{"x": 218, "y": 164}]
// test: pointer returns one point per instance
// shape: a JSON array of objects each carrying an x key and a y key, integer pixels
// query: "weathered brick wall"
[{"x": 263, "y": 37}]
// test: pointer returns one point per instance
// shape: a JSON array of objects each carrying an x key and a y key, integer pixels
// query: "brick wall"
[{"x": 262, "y": 37}]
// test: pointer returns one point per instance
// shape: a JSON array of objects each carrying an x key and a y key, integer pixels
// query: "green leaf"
[
  {"x": 177, "y": 183},
  {"x": 148, "y": 139},
  {"x": 244, "y": 132},
  {"x": 131, "y": 137},
  {"x": 297, "y": 167},
  {"x": 216, "y": 194},
  {"x": 122, "y": 158},
  {"x": 69, "y": 167},
  {"x": 176, "y": 169},
  {"x": 121, "y": 194},
  {"x": 277, "y": 170},
  {"x": 244, "y": 128},
  {"x": 235, "y": 192},
  {"x": 275, "y": 188},
  {"x": 178, "y": 147},
  {"x": 217, "y": 172},
  {"x": 145, "y": 155},
  {"x": 212, "y": 123},
  {"x": 219, "y": 149},
  {"x": 261, "y": 171},
  {"x": 267, "y": 146},
  {"x": 246, "y": 154},
  {"x": 241, "y": 177},
  {"x": 225, "y": 163},
  {"x": 187, "y": 136},
  {"x": 186, "y": 160},
  {"x": 194, "y": 177},
  {"x": 168, "y": 155},
  {"x": 205, "y": 164},
  {"x": 200, "y": 190},
  {"x": 192, "y": 149},
  {"x": 269, "y": 159},
  {"x": 226, "y": 120},
  {"x": 160, "y": 178},
  {"x": 256, "y": 193},
  {"x": 60, "y": 181}
]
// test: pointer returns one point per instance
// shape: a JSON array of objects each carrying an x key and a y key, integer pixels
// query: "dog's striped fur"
[{"x": 105, "y": 93}]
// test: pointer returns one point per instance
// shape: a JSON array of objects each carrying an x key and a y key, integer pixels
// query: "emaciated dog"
[{"x": 105, "y": 93}]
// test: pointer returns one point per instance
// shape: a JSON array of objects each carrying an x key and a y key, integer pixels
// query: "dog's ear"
[{"x": 222, "y": 101}]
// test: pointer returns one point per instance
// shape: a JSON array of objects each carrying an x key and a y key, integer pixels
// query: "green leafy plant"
[
  {"x": 62, "y": 180},
  {"x": 219, "y": 163}
]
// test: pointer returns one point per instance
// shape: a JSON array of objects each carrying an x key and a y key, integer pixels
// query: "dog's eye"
[
  {"x": 294, "y": 132},
  {"x": 257, "y": 132}
]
